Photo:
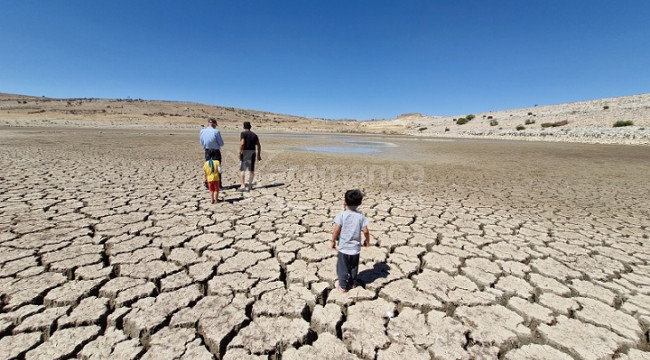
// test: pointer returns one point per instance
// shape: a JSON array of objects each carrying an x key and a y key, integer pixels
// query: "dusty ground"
[{"x": 480, "y": 249}]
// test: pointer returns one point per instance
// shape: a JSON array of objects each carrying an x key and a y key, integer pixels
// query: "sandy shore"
[{"x": 480, "y": 249}]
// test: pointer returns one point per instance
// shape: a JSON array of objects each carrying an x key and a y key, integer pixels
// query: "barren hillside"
[
  {"x": 587, "y": 121},
  {"x": 22, "y": 110}
]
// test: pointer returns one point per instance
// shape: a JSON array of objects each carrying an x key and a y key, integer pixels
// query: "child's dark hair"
[
  {"x": 353, "y": 197},
  {"x": 213, "y": 154}
]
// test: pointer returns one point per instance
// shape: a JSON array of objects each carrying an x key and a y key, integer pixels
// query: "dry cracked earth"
[{"x": 109, "y": 248}]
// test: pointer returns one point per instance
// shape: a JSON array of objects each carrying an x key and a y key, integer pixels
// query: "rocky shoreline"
[{"x": 620, "y": 136}]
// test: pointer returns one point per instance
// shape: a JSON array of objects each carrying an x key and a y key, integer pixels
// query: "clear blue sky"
[{"x": 355, "y": 59}]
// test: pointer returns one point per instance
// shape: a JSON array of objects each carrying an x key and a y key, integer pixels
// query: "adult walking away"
[
  {"x": 212, "y": 142},
  {"x": 249, "y": 141}
]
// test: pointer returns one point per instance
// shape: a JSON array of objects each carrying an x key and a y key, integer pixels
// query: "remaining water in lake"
[{"x": 348, "y": 144}]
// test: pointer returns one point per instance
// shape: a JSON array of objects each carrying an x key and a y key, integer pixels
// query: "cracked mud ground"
[{"x": 109, "y": 248}]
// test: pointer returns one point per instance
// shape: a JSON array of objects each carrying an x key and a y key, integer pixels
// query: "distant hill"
[
  {"x": 132, "y": 112},
  {"x": 587, "y": 121}
]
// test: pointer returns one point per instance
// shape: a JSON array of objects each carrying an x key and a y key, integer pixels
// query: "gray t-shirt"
[{"x": 351, "y": 223}]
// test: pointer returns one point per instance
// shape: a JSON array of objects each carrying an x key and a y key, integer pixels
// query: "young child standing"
[
  {"x": 348, "y": 226},
  {"x": 211, "y": 170}
]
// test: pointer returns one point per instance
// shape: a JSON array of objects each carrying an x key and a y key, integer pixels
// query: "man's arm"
[
  {"x": 201, "y": 141},
  {"x": 219, "y": 139},
  {"x": 335, "y": 235},
  {"x": 241, "y": 149},
  {"x": 259, "y": 150}
]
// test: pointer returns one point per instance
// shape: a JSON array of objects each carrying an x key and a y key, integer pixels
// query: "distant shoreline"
[
  {"x": 614, "y": 136},
  {"x": 579, "y": 122}
]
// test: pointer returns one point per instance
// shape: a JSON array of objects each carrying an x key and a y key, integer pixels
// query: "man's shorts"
[{"x": 248, "y": 160}]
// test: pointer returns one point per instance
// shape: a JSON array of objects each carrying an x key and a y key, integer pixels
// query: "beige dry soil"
[{"x": 480, "y": 249}]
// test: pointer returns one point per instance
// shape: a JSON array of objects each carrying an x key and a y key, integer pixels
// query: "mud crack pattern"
[{"x": 110, "y": 249}]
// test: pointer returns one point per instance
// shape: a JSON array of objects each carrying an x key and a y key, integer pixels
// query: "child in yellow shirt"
[{"x": 211, "y": 170}]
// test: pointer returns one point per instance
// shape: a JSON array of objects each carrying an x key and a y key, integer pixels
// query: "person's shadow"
[
  {"x": 270, "y": 186},
  {"x": 236, "y": 186},
  {"x": 379, "y": 270}
]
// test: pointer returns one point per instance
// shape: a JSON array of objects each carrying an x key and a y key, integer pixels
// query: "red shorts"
[{"x": 213, "y": 186}]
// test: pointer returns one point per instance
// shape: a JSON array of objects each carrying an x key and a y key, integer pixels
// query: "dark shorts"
[
  {"x": 213, "y": 186},
  {"x": 207, "y": 151},
  {"x": 248, "y": 160}
]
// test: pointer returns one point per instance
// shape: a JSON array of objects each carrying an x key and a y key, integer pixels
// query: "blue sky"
[{"x": 356, "y": 59}]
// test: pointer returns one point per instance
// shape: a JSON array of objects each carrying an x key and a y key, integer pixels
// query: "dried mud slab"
[{"x": 479, "y": 250}]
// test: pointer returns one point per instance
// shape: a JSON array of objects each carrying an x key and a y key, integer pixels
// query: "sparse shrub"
[
  {"x": 555, "y": 124},
  {"x": 530, "y": 113},
  {"x": 605, "y": 107},
  {"x": 622, "y": 123},
  {"x": 470, "y": 117},
  {"x": 462, "y": 121},
  {"x": 529, "y": 121},
  {"x": 490, "y": 117},
  {"x": 520, "y": 127},
  {"x": 446, "y": 129},
  {"x": 494, "y": 123},
  {"x": 422, "y": 128}
]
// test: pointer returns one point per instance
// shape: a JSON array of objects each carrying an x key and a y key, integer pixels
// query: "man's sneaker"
[{"x": 205, "y": 183}]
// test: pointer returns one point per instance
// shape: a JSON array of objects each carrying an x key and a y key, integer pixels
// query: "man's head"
[
  {"x": 247, "y": 125},
  {"x": 353, "y": 198},
  {"x": 212, "y": 122}
]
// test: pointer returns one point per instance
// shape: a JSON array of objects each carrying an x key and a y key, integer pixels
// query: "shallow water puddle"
[
  {"x": 340, "y": 149},
  {"x": 356, "y": 147}
]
